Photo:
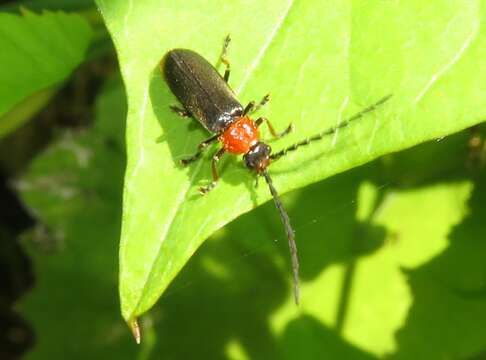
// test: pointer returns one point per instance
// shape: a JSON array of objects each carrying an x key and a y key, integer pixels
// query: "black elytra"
[{"x": 201, "y": 89}]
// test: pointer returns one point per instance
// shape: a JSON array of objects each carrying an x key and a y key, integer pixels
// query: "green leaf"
[
  {"x": 38, "y": 53},
  {"x": 322, "y": 61}
]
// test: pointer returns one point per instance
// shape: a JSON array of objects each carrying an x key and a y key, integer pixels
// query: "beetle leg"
[
  {"x": 224, "y": 59},
  {"x": 200, "y": 148},
  {"x": 251, "y": 107},
  {"x": 180, "y": 111},
  {"x": 262, "y": 103},
  {"x": 276, "y": 135},
  {"x": 216, "y": 157}
]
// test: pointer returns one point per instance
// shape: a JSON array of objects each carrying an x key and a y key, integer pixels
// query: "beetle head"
[{"x": 258, "y": 157}]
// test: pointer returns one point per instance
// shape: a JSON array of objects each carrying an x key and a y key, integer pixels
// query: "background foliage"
[{"x": 391, "y": 251}]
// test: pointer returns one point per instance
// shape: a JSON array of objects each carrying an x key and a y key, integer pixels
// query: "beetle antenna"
[
  {"x": 331, "y": 130},
  {"x": 290, "y": 234}
]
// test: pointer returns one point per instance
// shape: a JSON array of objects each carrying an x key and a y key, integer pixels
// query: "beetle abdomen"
[{"x": 201, "y": 89}]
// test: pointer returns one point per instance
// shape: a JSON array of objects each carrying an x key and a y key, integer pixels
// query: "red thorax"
[{"x": 240, "y": 136}]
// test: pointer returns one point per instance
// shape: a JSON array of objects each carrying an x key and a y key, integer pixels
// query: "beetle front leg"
[
  {"x": 200, "y": 148},
  {"x": 276, "y": 135},
  {"x": 252, "y": 107},
  {"x": 262, "y": 103},
  {"x": 214, "y": 162}
]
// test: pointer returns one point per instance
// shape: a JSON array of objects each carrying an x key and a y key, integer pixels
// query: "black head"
[{"x": 258, "y": 158}]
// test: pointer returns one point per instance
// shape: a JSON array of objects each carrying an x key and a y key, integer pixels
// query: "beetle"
[{"x": 206, "y": 96}]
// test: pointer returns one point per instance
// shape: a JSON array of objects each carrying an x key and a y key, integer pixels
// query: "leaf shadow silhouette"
[{"x": 449, "y": 310}]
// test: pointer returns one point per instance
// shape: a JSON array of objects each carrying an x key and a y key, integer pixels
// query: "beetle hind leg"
[{"x": 214, "y": 162}]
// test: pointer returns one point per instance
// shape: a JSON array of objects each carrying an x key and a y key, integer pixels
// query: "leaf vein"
[{"x": 450, "y": 64}]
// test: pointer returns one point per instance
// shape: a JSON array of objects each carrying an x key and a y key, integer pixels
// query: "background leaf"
[
  {"x": 322, "y": 61},
  {"x": 38, "y": 53},
  {"x": 74, "y": 188}
]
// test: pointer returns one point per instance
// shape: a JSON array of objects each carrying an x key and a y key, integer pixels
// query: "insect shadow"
[{"x": 183, "y": 135}]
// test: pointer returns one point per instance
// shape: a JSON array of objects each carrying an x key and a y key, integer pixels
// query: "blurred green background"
[{"x": 392, "y": 252}]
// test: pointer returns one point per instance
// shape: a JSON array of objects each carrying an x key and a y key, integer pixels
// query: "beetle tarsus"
[
  {"x": 203, "y": 190},
  {"x": 287, "y": 131},
  {"x": 185, "y": 162}
]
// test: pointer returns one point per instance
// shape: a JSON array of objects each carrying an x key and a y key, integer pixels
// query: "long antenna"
[
  {"x": 290, "y": 235},
  {"x": 330, "y": 131}
]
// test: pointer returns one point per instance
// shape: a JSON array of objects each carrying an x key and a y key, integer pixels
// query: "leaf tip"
[{"x": 135, "y": 328}]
